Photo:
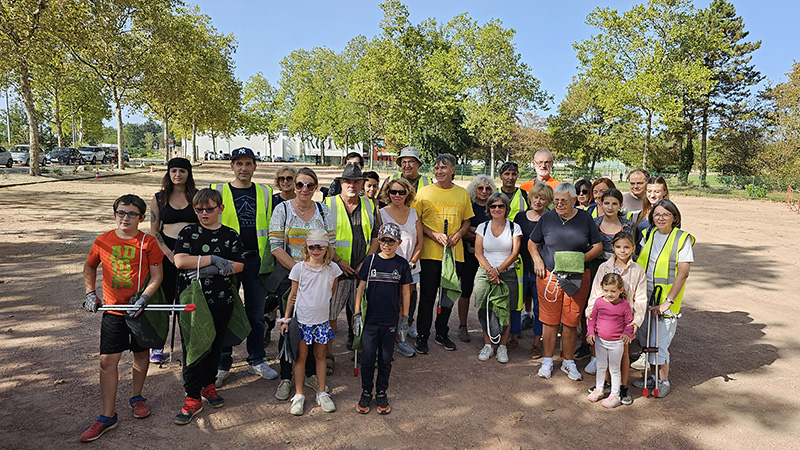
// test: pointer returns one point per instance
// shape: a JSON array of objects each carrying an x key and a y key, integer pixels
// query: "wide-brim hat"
[
  {"x": 352, "y": 172},
  {"x": 408, "y": 152}
]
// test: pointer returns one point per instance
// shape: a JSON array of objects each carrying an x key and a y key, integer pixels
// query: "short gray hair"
[
  {"x": 480, "y": 180},
  {"x": 565, "y": 188},
  {"x": 498, "y": 196},
  {"x": 543, "y": 152}
]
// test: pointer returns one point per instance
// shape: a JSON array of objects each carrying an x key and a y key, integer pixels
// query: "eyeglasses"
[
  {"x": 282, "y": 179},
  {"x": 387, "y": 242},
  {"x": 300, "y": 185},
  {"x": 561, "y": 201},
  {"x": 543, "y": 163},
  {"x": 583, "y": 192},
  {"x": 205, "y": 210},
  {"x": 497, "y": 206},
  {"x": 130, "y": 214},
  {"x": 662, "y": 216},
  {"x": 484, "y": 188},
  {"x": 397, "y": 192},
  {"x": 316, "y": 248}
]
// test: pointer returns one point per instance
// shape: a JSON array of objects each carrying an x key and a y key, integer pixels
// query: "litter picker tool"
[
  {"x": 441, "y": 290},
  {"x": 653, "y": 302},
  {"x": 657, "y": 294},
  {"x": 160, "y": 308},
  {"x": 355, "y": 362}
]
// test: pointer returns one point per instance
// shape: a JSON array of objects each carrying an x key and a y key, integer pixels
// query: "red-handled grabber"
[{"x": 160, "y": 308}]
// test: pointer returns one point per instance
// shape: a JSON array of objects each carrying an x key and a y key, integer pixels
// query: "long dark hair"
[{"x": 167, "y": 186}]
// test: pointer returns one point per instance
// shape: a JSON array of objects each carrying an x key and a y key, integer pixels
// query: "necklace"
[
  {"x": 563, "y": 220},
  {"x": 302, "y": 211}
]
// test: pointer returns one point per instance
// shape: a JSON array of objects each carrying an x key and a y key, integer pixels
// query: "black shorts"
[{"x": 116, "y": 336}]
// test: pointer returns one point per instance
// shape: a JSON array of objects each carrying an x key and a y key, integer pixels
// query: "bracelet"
[{"x": 283, "y": 320}]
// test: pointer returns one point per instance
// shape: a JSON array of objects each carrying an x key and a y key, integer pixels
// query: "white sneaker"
[
  {"x": 221, "y": 376},
  {"x": 546, "y": 371},
  {"x": 324, "y": 400},
  {"x": 486, "y": 352},
  {"x": 502, "y": 354},
  {"x": 591, "y": 368},
  {"x": 639, "y": 363},
  {"x": 298, "y": 401},
  {"x": 568, "y": 367},
  {"x": 262, "y": 369}
]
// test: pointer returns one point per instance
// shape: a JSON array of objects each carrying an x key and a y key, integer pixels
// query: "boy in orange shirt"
[{"x": 128, "y": 256}]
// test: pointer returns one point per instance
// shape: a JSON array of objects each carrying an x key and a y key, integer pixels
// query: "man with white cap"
[{"x": 409, "y": 163}]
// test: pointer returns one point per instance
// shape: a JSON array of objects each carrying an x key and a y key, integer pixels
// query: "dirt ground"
[{"x": 733, "y": 382}]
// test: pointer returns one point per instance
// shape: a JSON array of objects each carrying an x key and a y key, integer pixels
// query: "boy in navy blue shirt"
[{"x": 386, "y": 276}]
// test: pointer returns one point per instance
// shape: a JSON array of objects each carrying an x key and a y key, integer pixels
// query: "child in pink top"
[{"x": 609, "y": 329}]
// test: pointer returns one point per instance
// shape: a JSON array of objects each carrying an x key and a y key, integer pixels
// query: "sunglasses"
[
  {"x": 282, "y": 179},
  {"x": 497, "y": 206},
  {"x": 316, "y": 248},
  {"x": 484, "y": 188},
  {"x": 387, "y": 242},
  {"x": 205, "y": 210},
  {"x": 397, "y": 192},
  {"x": 130, "y": 214},
  {"x": 300, "y": 185},
  {"x": 583, "y": 192}
]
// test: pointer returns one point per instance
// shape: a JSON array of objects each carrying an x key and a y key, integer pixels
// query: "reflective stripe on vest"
[
  {"x": 517, "y": 204},
  {"x": 423, "y": 180},
  {"x": 344, "y": 233},
  {"x": 230, "y": 219},
  {"x": 666, "y": 264},
  {"x": 596, "y": 211}
]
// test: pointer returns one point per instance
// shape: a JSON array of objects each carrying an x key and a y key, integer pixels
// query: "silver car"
[
  {"x": 5, "y": 158},
  {"x": 22, "y": 155}
]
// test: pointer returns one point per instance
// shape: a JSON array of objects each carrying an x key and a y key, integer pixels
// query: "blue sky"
[{"x": 267, "y": 31}]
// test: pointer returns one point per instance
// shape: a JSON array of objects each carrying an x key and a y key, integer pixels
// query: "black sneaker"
[
  {"x": 606, "y": 388},
  {"x": 349, "y": 341},
  {"x": 624, "y": 396},
  {"x": 422, "y": 345},
  {"x": 363, "y": 402},
  {"x": 584, "y": 351},
  {"x": 445, "y": 342},
  {"x": 383, "y": 403}
]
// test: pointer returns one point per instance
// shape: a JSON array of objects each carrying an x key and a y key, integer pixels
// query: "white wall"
[{"x": 284, "y": 146}]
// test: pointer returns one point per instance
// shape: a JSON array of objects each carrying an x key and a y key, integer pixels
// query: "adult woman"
[
  {"x": 666, "y": 257},
  {"x": 479, "y": 189},
  {"x": 599, "y": 186},
  {"x": 284, "y": 180},
  {"x": 583, "y": 188},
  {"x": 288, "y": 228},
  {"x": 371, "y": 182},
  {"x": 561, "y": 244},
  {"x": 656, "y": 189},
  {"x": 399, "y": 196},
  {"x": 497, "y": 244},
  {"x": 171, "y": 210},
  {"x": 540, "y": 197}
]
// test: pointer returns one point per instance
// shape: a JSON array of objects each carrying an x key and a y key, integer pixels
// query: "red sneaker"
[
  {"x": 140, "y": 408},
  {"x": 97, "y": 429},
  {"x": 210, "y": 394},
  {"x": 191, "y": 408}
]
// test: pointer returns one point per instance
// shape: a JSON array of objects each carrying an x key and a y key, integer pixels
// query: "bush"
[
  {"x": 57, "y": 171},
  {"x": 756, "y": 191}
]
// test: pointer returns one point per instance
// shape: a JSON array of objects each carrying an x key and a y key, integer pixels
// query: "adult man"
[
  {"x": 410, "y": 163},
  {"x": 356, "y": 235},
  {"x": 248, "y": 207},
  {"x": 336, "y": 188},
  {"x": 436, "y": 203},
  {"x": 509, "y": 172},
  {"x": 632, "y": 201},
  {"x": 543, "y": 160}
]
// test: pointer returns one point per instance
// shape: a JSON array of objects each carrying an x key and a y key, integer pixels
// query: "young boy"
[
  {"x": 388, "y": 295},
  {"x": 128, "y": 256},
  {"x": 218, "y": 251}
]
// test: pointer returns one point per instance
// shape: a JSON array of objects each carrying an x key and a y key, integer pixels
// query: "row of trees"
[{"x": 79, "y": 59}]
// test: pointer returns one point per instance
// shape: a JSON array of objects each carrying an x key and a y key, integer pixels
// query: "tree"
[
  {"x": 783, "y": 153},
  {"x": 497, "y": 85},
  {"x": 260, "y": 109}
]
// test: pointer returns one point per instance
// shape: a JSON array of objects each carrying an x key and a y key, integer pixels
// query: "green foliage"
[{"x": 755, "y": 191}]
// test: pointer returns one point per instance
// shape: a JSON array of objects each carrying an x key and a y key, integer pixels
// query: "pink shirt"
[{"x": 610, "y": 320}]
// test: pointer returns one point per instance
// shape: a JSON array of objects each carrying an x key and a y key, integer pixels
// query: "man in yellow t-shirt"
[{"x": 436, "y": 203}]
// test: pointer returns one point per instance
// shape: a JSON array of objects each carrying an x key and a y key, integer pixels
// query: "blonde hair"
[
  {"x": 328, "y": 253},
  {"x": 402, "y": 182},
  {"x": 284, "y": 169},
  {"x": 541, "y": 190}
]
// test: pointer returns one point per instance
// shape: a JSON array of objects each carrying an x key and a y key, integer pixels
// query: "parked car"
[
  {"x": 111, "y": 155},
  {"x": 5, "y": 158},
  {"x": 93, "y": 155},
  {"x": 22, "y": 154},
  {"x": 64, "y": 155}
]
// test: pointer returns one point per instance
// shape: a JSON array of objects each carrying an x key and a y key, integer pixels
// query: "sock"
[
  {"x": 665, "y": 383},
  {"x": 594, "y": 359},
  {"x": 569, "y": 362},
  {"x": 547, "y": 361},
  {"x": 527, "y": 314}
]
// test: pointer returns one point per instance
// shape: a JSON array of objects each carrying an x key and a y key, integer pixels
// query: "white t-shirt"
[
  {"x": 685, "y": 255},
  {"x": 408, "y": 233},
  {"x": 314, "y": 293},
  {"x": 497, "y": 249}
]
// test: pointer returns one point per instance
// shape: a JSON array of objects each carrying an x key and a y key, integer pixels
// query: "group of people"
[{"x": 392, "y": 257}]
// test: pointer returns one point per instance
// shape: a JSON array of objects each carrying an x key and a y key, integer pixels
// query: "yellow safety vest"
[
  {"x": 666, "y": 264},
  {"x": 518, "y": 204},
  {"x": 595, "y": 213},
  {"x": 423, "y": 181},
  {"x": 344, "y": 233},
  {"x": 263, "y": 212}
]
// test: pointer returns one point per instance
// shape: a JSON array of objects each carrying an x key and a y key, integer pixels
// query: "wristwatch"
[{"x": 413, "y": 265}]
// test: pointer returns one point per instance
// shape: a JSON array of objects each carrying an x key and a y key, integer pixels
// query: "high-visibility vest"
[
  {"x": 423, "y": 181},
  {"x": 666, "y": 264},
  {"x": 594, "y": 210},
  {"x": 344, "y": 233},
  {"x": 518, "y": 204},
  {"x": 230, "y": 219}
]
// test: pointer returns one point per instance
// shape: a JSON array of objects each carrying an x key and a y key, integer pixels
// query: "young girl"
[
  {"x": 610, "y": 327},
  {"x": 612, "y": 221},
  {"x": 313, "y": 284},
  {"x": 633, "y": 277}
]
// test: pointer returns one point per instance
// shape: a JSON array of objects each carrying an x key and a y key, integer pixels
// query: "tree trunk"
[
  {"x": 594, "y": 154},
  {"x": 647, "y": 139},
  {"x": 57, "y": 117},
  {"x": 194, "y": 139},
  {"x": 118, "y": 112},
  {"x": 166, "y": 133},
  {"x": 686, "y": 152},
  {"x": 703, "y": 141},
  {"x": 30, "y": 111},
  {"x": 491, "y": 159}
]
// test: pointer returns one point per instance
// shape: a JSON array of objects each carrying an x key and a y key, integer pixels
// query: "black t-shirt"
[
  {"x": 384, "y": 292},
  {"x": 479, "y": 217},
  {"x": 276, "y": 200},
  {"x": 527, "y": 228},
  {"x": 552, "y": 235},
  {"x": 244, "y": 200},
  {"x": 197, "y": 241}
]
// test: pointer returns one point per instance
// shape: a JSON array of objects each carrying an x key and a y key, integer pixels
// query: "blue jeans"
[
  {"x": 254, "y": 301},
  {"x": 378, "y": 344},
  {"x": 529, "y": 289}
]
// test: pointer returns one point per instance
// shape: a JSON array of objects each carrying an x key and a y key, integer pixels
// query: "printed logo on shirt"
[
  {"x": 121, "y": 270},
  {"x": 205, "y": 248},
  {"x": 385, "y": 277}
]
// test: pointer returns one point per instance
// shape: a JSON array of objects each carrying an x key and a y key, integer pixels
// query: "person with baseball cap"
[{"x": 248, "y": 210}]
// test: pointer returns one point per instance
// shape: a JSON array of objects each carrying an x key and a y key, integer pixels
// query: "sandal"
[
  {"x": 513, "y": 342},
  {"x": 330, "y": 363},
  {"x": 536, "y": 352}
]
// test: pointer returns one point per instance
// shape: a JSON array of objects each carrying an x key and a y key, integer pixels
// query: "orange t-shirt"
[
  {"x": 122, "y": 273},
  {"x": 552, "y": 182}
]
